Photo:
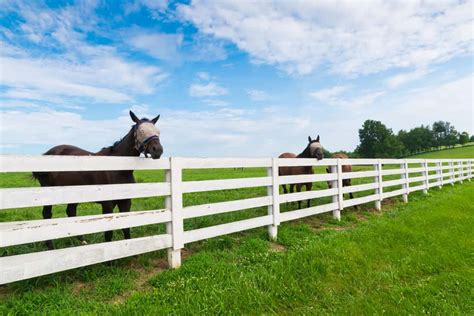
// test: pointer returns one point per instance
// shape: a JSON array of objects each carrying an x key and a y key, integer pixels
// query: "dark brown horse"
[
  {"x": 312, "y": 150},
  {"x": 143, "y": 137},
  {"x": 345, "y": 168}
]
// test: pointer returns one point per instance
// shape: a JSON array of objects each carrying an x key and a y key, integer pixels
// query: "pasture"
[
  {"x": 370, "y": 260},
  {"x": 458, "y": 152}
]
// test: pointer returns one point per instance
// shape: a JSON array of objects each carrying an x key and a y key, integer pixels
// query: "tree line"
[{"x": 379, "y": 141}]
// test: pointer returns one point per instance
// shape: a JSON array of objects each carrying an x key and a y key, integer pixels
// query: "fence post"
[
  {"x": 461, "y": 171},
  {"x": 378, "y": 180},
  {"x": 274, "y": 191},
  {"x": 169, "y": 226},
  {"x": 340, "y": 186},
  {"x": 439, "y": 172},
  {"x": 425, "y": 173},
  {"x": 469, "y": 171},
  {"x": 404, "y": 175},
  {"x": 451, "y": 170},
  {"x": 174, "y": 254},
  {"x": 336, "y": 214}
]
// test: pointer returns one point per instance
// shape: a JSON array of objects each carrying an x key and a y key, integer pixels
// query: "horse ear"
[
  {"x": 134, "y": 117},
  {"x": 309, "y": 139},
  {"x": 317, "y": 139},
  {"x": 155, "y": 119}
]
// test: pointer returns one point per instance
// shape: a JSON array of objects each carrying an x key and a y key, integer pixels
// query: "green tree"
[
  {"x": 406, "y": 141},
  {"x": 417, "y": 139},
  {"x": 451, "y": 137},
  {"x": 464, "y": 138},
  {"x": 439, "y": 131},
  {"x": 378, "y": 141}
]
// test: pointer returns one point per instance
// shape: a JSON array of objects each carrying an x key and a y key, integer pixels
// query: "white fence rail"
[{"x": 407, "y": 176}]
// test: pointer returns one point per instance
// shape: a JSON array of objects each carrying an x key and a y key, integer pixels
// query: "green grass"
[
  {"x": 414, "y": 258},
  {"x": 458, "y": 152}
]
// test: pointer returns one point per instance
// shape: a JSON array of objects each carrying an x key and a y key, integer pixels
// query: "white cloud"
[
  {"x": 159, "y": 45},
  {"x": 452, "y": 101},
  {"x": 202, "y": 47},
  {"x": 258, "y": 95},
  {"x": 18, "y": 104},
  {"x": 237, "y": 132},
  {"x": 216, "y": 102},
  {"x": 210, "y": 89},
  {"x": 329, "y": 93},
  {"x": 352, "y": 37},
  {"x": 74, "y": 68},
  {"x": 337, "y": 96},
  {"x": 203, "y": 75},
  {"x": 406, "y": 77},
  {"x": 153, "y": 5},
  {"x": 105, "y": 79}
]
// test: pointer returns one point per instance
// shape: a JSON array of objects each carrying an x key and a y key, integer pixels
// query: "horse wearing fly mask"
[
  {"x": 143, "y": 137},
  {"x": 313, "y": 150}
]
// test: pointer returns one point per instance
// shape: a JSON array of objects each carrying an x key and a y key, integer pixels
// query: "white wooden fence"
[{"x": 410, "y": 174}]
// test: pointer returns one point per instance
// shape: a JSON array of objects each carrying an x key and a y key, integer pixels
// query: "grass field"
[
  {"x": 414, "y": 258},
  {"x": 458, "y": 152}
]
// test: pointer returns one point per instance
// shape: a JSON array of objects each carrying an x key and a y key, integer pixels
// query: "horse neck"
[
  {"x": 126, "y": 147},
  {"x": 305, "y": 154}
]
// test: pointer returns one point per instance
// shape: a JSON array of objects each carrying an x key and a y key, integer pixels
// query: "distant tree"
[
  {"x": 439, "y": 131},
  {"x": 378, "y": 141},
  {"x": 464, "y": 138},
  {"x": 445, "y": 134},
  {"x": 408, "y": 141},
  {"x": 472, "y": 138},
  {"x": 417, "y": 139},
  {"x": 451, "y": 137},
  {"x": 405, "y": 139},
  {"x": 326, "y": 153},
  {"x": 348, "y": 153}
]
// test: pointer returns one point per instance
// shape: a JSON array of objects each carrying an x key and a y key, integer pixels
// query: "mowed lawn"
[
  {"x": 415, "y": 258},
  {"x": 454, "y": 153}
]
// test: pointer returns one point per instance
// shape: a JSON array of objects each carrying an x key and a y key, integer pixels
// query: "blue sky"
[{"x": 230, "y": 78}]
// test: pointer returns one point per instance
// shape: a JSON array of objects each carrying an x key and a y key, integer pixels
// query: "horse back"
[
  {"x": 345, "y": 168},
  {"x": 80, "y": 177},
  {"x": 68, "y": 150},
  {"x": 293, "y": 171},
  {"x": 287, "y": 155}
]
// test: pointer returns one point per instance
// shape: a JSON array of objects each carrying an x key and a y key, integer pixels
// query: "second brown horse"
[
  {"x": 345, "y": 168},
  {"x": 312, "y": 150}
]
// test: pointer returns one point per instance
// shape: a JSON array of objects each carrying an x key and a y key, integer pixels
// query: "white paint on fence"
[
  {"x": 15, "y": 268},
  {"x": 16, "y": 233},
  {"x": 19, "y": 267},
  {"x": 29, "y": 197}
]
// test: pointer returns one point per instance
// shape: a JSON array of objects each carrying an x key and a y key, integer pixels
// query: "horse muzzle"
[{"x": 155, "y": 151}]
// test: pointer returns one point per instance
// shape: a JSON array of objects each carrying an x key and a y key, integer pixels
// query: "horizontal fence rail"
[{"x": 380, "y": 179}]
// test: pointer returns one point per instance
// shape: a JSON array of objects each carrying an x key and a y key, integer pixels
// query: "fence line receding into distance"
[{"x": 405, "y": 177}]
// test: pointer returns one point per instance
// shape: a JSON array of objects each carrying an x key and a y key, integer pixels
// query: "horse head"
[
  {"x": 315, "y": 148},
  {"x": 147, "y": 136}
]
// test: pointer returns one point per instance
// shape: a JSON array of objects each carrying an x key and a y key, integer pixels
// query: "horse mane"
[{"x": 118, "y": 142}]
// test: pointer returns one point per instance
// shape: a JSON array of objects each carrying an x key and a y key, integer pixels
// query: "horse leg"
[
  {"x": 352, "y": 196},
  {"x": 47, "y": 214},
  {"x": 292, "y": 189},
  {"x": 309, "y": 187},
  {"x": 107, "y": 208},
  {"x": 285, "y": 190},
  {"x": 349, "y": 183},
  {"x": 71, "y": 212},
  {"x": 298, "y": 189},
  {"x": 124, "y": 206}
]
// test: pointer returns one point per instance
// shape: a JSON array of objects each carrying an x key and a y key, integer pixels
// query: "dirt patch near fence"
[
  {"x": 276, "y": 247},
  {"x": 141, "y": 284}
]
